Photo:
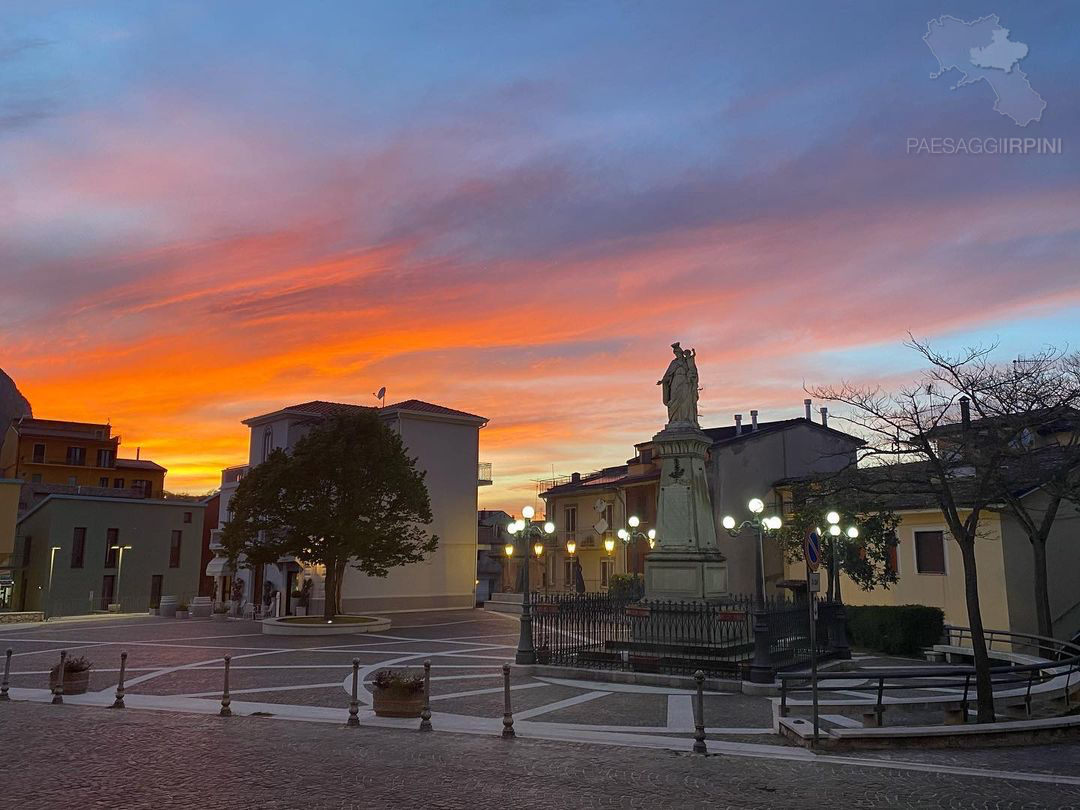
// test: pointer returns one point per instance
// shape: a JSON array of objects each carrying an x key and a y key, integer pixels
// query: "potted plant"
[
  {"x": 182, "y": 610},
  {"x": 155, "y": 608},
  {"x": 221, "y": 612},
  {"x": 398, "y": 693},
  {"x": 76, "y": 675}
]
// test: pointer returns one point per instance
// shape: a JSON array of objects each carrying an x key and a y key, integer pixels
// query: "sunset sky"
[{"x": 211, "y": 210}]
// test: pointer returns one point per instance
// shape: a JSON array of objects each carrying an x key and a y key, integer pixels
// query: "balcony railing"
[{"x": 483, "y": 474}]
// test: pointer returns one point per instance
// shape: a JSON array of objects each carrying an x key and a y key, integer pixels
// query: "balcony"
[{"x": 483, "y": 474}]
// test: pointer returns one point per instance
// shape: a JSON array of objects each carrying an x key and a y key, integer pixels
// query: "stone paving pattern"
[{"x": 78, "y": 757}]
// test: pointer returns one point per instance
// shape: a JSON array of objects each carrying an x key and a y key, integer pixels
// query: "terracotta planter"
[
  {"x": 391, "y": 703},
  {"x": 75, "y": 683}
]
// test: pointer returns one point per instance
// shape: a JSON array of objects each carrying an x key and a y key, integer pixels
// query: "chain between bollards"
[
  {"x": 119, "y": 702},
  {"x": 699, "y": 713},
  {"x": 7, "y": 675},
  {"x": 425, "y": 715},
  {"x": 58, "y": 688},
  {"x": 225, "y": 700},
  {"x": 508, "y": 714},
  {"x": 354, "y": 704}
]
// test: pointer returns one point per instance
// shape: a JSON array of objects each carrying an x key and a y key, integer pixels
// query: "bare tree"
[
  {"x": 901, "y": 430},
  {"x": 1027, "y": 416}
]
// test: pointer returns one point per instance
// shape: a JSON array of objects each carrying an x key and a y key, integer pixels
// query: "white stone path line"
[
  {"x": 680, "y": 713},
  {"x": 528, "y": 729},
  {"x": 559, "y": 704}
]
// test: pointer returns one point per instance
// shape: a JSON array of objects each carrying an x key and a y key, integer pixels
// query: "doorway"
[{"x": 108, "y": 588}]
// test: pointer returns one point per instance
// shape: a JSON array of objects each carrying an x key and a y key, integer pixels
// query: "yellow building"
[
  {"x": 75, "y": 454},
  {"x": 9, "y": 508}
]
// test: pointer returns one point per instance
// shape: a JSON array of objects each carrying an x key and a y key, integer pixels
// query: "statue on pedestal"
[{"x": 680, "y": 387}]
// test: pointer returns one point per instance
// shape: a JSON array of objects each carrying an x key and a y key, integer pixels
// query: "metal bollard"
[
  {"x": 7, "y": 675},
  {"x": 58, "y": 689},
  {"x": 225, "y": 699},
  {"x": 425, "y": 715},
  {"x": 119, "y": 702},
  {"x": 508, "y": 715},
  {"x": 354, "y": 704},
  {"x": 699, "y": 713}
]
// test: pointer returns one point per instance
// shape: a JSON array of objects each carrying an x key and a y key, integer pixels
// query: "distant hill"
[{"x": 12, "y": 403}]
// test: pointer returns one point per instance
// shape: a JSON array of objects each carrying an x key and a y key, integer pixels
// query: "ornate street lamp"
[
  {"x": 833, "y": 518},
  {"x": 763, "y": 526},
  {"x": 632, "y": 533},
  {"x": 524, "y": 531}
]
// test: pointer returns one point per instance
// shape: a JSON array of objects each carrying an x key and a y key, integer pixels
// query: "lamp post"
[
  {"x": 631, "y": 533},
  {"x": 833, "y": 518},
  {"x": 524, "y": 530},
  {"x": 52, "y": 565},
  {"x": 119, "y": 568},
  {"x": 762, "y": 526}
]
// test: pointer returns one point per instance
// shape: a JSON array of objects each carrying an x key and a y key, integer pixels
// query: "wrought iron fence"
[{"x": 605, "y": 632}]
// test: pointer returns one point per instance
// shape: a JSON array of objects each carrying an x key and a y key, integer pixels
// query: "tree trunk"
[
  {"x": 983, "y": 685},
  {"x": 339, "y": 579},
  {"x": 330, "y": 590},
  {"x": 1042, "y": 593}
]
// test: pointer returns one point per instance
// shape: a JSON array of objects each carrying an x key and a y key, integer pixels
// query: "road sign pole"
[{"x": 811, "y": 601}]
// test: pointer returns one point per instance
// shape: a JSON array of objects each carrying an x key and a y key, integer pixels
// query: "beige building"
[
  {"x": 9, "y": 509},
  {"x": 445, "y": 443}
]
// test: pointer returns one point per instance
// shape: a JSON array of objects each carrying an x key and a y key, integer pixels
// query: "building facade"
[
  {"x": 445, "y": 443},
  {"x": 742, "y": 462},
  {"x": 83, "y": 554},
  {"x": 65, "y": 455},
  {"x": 9, "y": 561}
]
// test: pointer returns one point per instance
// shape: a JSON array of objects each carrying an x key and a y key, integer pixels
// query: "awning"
[{"x": 219, "y": 567}]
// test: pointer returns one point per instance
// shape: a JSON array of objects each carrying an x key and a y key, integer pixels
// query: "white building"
[{"x": 445, "y": 443}]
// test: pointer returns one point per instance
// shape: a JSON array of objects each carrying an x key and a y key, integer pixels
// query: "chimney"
[
  {"x": 824, "y": 416},
  {"x": 738, "y": 424},
  {"x": 753, "y": 420},
  {"x": 138, "y": 452},
  {"x": 575, "y": 478},
  {"x": 965, "y": 412},
  {"x": 809, "y": 413}
]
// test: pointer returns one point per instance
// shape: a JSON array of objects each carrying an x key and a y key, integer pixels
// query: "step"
[
  {"x": 500, "y": 606},
  {"x": 512, "y": 598}
]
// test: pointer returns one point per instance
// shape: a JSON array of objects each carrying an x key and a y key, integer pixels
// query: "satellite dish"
[{"x": 382, "y": 393}]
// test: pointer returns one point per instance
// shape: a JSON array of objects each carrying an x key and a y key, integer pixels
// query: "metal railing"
[
  {"x": 602, "y": 631},
  {"x": 1014, "y": 681}
]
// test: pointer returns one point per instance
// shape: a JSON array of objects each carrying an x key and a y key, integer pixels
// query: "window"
[
  {"x": 187, "y": 517},
  {"x": 78, "y": 547},
  {"x": 570, "y": 520},
  {"x": 76, "y": 456},
  {"x": 39, "y": 453},
  {"x": 104, "y": 458},
  {"x": 892, "y": 558},
  {"x": 112, "y": 538},
  {"x": 568, "y": 573},
  {"x": 155, "y": 590},
  {"x": 268, "y": 443},
  {"x": 142, "y": 486},
  {"x": 607, "y": 568},
  {"x": 174, "y": 549},
  {"x": 930, "y": 552},
  {"x": 118, "y": 483}
]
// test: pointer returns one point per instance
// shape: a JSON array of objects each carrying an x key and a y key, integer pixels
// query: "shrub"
[
  {"x": 895, "y": 629},
  {"x": 626, "y": 586},
  {"x": 401, "y": 682},
  {"x": 182, "y": 606}
]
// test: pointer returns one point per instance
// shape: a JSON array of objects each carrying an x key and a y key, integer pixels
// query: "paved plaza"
[{"x": 580, "y": 743}]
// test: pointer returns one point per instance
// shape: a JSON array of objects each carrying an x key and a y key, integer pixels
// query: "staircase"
[{"x": 504, "y": 603}]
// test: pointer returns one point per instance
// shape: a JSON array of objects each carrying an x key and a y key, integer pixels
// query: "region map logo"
[{"x": 982, "y": 51}]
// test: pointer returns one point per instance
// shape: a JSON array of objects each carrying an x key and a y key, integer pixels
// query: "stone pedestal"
[{"x": 686, "y": 564}]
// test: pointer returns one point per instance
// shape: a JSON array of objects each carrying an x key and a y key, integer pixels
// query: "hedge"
[{"x": 895, "y": 629}]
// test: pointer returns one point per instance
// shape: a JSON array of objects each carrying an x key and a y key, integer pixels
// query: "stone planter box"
[
  {"x": 391, "y": 703},
  {"x": 75, "y": 683},
  {"x": 221, "y": 617},
  {"x": 201, "y": 607},
  {"x": 181, "y": 614},
  {"x": 153, "y": 611},
  {"x": 299, "y": 611}
]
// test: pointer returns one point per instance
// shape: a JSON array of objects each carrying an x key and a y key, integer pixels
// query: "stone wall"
[{"x": 24, "y": 616}]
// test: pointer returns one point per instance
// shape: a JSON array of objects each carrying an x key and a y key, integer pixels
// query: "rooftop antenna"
[{"x": 381, "y": 396}]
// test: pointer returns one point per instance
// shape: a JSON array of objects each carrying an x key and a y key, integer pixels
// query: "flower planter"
[
  {"x": 221, "y": 617},
  {"x": 75, "y": 683},
  {"x": 299, "y": 611},
  {"x": 393, "y": 703},
  {"x": 181, "y": 614},
  {"x": 153, "y": 611}
]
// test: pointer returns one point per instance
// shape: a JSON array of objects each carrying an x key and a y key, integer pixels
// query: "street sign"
[
  {"x": 814, "y": 582},
  {"x": 812, "y": 550}
]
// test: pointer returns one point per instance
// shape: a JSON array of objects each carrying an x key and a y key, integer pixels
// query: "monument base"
[{"x": 686, "y": 576}]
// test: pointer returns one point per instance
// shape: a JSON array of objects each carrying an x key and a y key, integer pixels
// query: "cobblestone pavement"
[{"x": 79, "y": 757}]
